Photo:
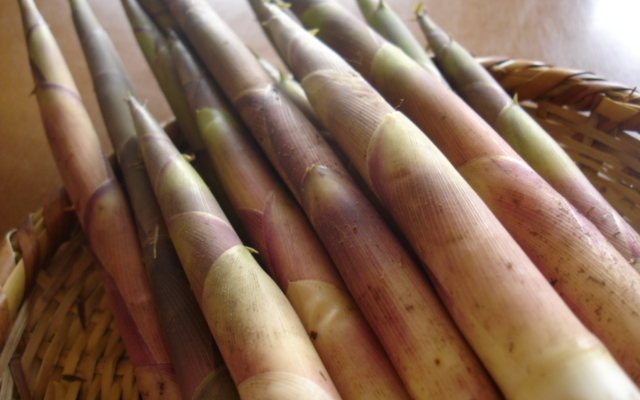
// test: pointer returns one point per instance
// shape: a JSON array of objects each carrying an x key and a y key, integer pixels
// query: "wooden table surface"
[{"x": 595, "y": 35}]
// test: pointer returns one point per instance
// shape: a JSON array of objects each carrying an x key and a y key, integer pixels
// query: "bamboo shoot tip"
[
  {"x": 128, "y": 97},
  {"x": 282, "y": 75},
  {"x": 133, "y": 102},
  {"x": 311, "y": 169},
  {"x": 189, "y": 157},
  {"x": 252, "y": 50},
  {"x": 251, "y": 250}
]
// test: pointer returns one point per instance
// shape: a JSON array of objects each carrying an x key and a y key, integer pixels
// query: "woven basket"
[
  {"x": 596, "y": 121},
  {"x": 63, "y": 343}
]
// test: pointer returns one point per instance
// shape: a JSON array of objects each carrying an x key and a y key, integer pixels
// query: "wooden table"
[{"x": 596, "y": 35}]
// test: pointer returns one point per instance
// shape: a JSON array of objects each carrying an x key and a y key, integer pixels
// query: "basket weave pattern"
[
  {"x": 596, "y": 121},
  {"x": 63, "y": 343}
]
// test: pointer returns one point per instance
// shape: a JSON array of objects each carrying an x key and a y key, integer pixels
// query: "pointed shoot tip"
[
  {"x": 252, "y": 50},
  {"x": 251, "y": 250},
  {"x": 418, "y": 9},
  {"x": 130, "y": 99},
  {"x": 189, "y": 157},
  {"x": 310, "y": 169},
  {"x": 283, "y": 75},
  {"x": 283, "y": 6}
]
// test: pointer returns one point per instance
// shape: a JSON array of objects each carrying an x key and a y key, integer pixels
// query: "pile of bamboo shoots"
[{"x": 351, "y": 231}]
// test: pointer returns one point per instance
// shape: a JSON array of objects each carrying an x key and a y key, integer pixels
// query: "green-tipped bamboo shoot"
[
  {"x": 481, "y": 91},
  {"x": 592, "y": 277},
  {"x": 155, "y": 47},
  {"x": 266, "y": 348},
  {"x": 288, "y": 246},
  {"x": 101, "y": 207},
  {"x": 289, "y": 86},
  {"x": 160, "y": 15},
  {"x": 381, "y": 17},
  {"x": 491, "y": 288},
  {"x": 194, "y": 354},
  {"x": 425, "y": 347},
  {"x": 156, "y": 51}
]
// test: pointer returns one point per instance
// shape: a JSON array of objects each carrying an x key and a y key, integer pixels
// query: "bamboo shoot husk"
[
  {"x": 262, "y": 341},
  {"x": 570, "y": 252},
  {"x": 193, "y": 352},
  {"x": 155, "y": 48},
  {"x": 474, "y": 84},
  {"x": 101, "y": 207},
  {"x": 381, "y": 17},
  {"x": 491, "y": 288},
  {"x": 287, "y": 83},
  {"x": 154, "y": 44},
  {"x": 421, "y": 331},
  {"x": 287, "y": 245}
]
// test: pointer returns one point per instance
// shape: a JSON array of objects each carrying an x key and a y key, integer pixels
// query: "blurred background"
[{"x": 593, "y": 35}]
